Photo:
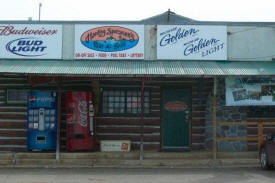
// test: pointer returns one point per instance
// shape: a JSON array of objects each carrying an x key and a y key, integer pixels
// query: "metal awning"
[{"x": 158, "y": 68}]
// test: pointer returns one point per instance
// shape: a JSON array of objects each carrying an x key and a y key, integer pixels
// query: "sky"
[{"x": 204, "y": 10}]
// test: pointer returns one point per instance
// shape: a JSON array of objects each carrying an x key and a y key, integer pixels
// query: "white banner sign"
[
  {"x": 31, "y": 41},
  {"x": 250, "y": 91},
  {"x": 192, "y": 42},
  {"x": 109, "y": 41}
]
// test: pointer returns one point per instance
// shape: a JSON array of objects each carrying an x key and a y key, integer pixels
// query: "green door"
[{"x": 176, "y": 111}]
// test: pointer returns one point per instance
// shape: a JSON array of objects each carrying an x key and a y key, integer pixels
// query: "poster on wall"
[
  {"x": 250, "y": 91},
  {"x": 109, "y": 42},
  {"x": 192, "y": 42},
  {"x": 30, "y": 41}
]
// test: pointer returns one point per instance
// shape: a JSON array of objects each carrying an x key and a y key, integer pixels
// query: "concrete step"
[
  {"x": 177, "y": 155},
  {"x": 100, "y": 155},
  {"x": 152, "y": 163},
  {"x": 6, "y": 156},
  {"x": 130, "y": 155},
  {"x": 34, "y": 155}
]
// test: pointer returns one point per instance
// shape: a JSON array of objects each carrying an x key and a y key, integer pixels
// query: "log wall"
[{"x": 13, "y": 117}]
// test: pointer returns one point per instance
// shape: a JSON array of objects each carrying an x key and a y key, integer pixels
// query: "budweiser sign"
[
  {"x": 31, "y": 41},
  {"x": 11, "y": 30}
]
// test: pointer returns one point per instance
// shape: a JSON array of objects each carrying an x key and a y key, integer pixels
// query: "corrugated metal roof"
[{"x": 138, "y": 68}]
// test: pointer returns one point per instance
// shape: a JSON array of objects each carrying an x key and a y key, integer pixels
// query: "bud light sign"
[
  {"x": 28, "y": 47},
  {"x": 109, "y": 42},
  {"x": 31, "y": 41},
  {"x": 192, "y": 42}
]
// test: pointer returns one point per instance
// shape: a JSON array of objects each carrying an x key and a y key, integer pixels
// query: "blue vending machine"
[{"x": 42, "y": 120}]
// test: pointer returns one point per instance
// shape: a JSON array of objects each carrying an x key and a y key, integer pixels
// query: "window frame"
[
  {"x": 17, "y": 101},
  {"x": 125, "y": 102}
]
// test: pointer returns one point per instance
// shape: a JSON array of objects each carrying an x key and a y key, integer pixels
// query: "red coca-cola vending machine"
[{"x": 80, "y": 113}]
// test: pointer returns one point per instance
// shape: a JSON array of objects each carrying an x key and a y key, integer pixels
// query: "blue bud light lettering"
[{"x": 29, "y": 47}]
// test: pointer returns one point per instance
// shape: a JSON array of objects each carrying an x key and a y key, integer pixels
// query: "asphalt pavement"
[{"x": 160, "y": 175}]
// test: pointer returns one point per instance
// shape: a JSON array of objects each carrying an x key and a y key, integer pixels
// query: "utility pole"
[{"x": 40, "y": 5}]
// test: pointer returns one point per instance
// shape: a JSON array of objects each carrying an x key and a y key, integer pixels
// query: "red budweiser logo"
[
  {"x": 175, "y": 106},
  {"x": 10, "y": 30}
]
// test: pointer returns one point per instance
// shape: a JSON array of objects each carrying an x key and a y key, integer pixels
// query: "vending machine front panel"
[
  {"x": 79, "y": 134},
  {"x": 42, "y": 115}
]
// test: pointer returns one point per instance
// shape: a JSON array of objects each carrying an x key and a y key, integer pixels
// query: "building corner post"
[
  {"x": 142, "y": 122},
  {"x": 57, "y": 154},
  {"x": 215, "y": 119}
]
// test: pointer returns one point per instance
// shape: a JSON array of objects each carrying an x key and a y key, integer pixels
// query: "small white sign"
[
  {"x": 109, "y": 42},
  {"x": 192, "y": 42},
  {"x": 30, "y": 41},
  {"x": 115, "y": 145}
]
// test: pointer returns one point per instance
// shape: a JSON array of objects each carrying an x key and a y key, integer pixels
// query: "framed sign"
[
  {"x": 31, "y": 41},
  {"x": 192, "y": 42},
  {"x": 250, "y": 91},
  {"x": 109, "y": 42}
]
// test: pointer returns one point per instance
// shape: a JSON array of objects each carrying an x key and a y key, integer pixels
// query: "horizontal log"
[
  {"x": 155, "y": 90},
  {"x": 24, "y": 109},
  {"x": 13, "y": 105},
  {"x": 146, "y": 146},
  {"x": 13, "y": 116},
  {"x": 126, "y": 130},
  {"x": 19, "y": 125},
  {"x": 198, "y": 122},
  {"x": 13, "y": 141},
  {"x": 197, "y": 147},
  {"x": 198, "y": 114},
  {"x": 13, "y": 133},
  {"x": 13, "y": 149},
  {"x": 127, "y": 121},
  {"x": 155, "y": 113},
  {"x": 155, "y": 95},
  {"x": 198, "y": 130},
  {"x": 14, "y": 81},
  {"x": 129, "y": 137},
  {"x": 198, "y": 102},
  {"x": 155, "y": 107},
  {"x": 198, "y": 139}
]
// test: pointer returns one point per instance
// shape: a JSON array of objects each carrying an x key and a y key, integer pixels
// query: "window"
[
  {"x": 124, "y": 101},
  {"x": 16, "y": 96}
]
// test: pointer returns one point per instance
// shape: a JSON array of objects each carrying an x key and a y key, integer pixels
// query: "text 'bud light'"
[{"x": 28, "y": 47}]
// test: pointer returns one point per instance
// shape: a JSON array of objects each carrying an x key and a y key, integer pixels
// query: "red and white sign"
[
  {"x": 175, "y": 106},
  {"x": 30, "y": 41}
]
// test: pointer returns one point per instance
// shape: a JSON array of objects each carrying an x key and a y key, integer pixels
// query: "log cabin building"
[{"x": 168, "y": 91}]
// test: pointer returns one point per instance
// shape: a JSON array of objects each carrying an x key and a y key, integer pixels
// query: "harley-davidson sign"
[{"x": 175, "y": 106}]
